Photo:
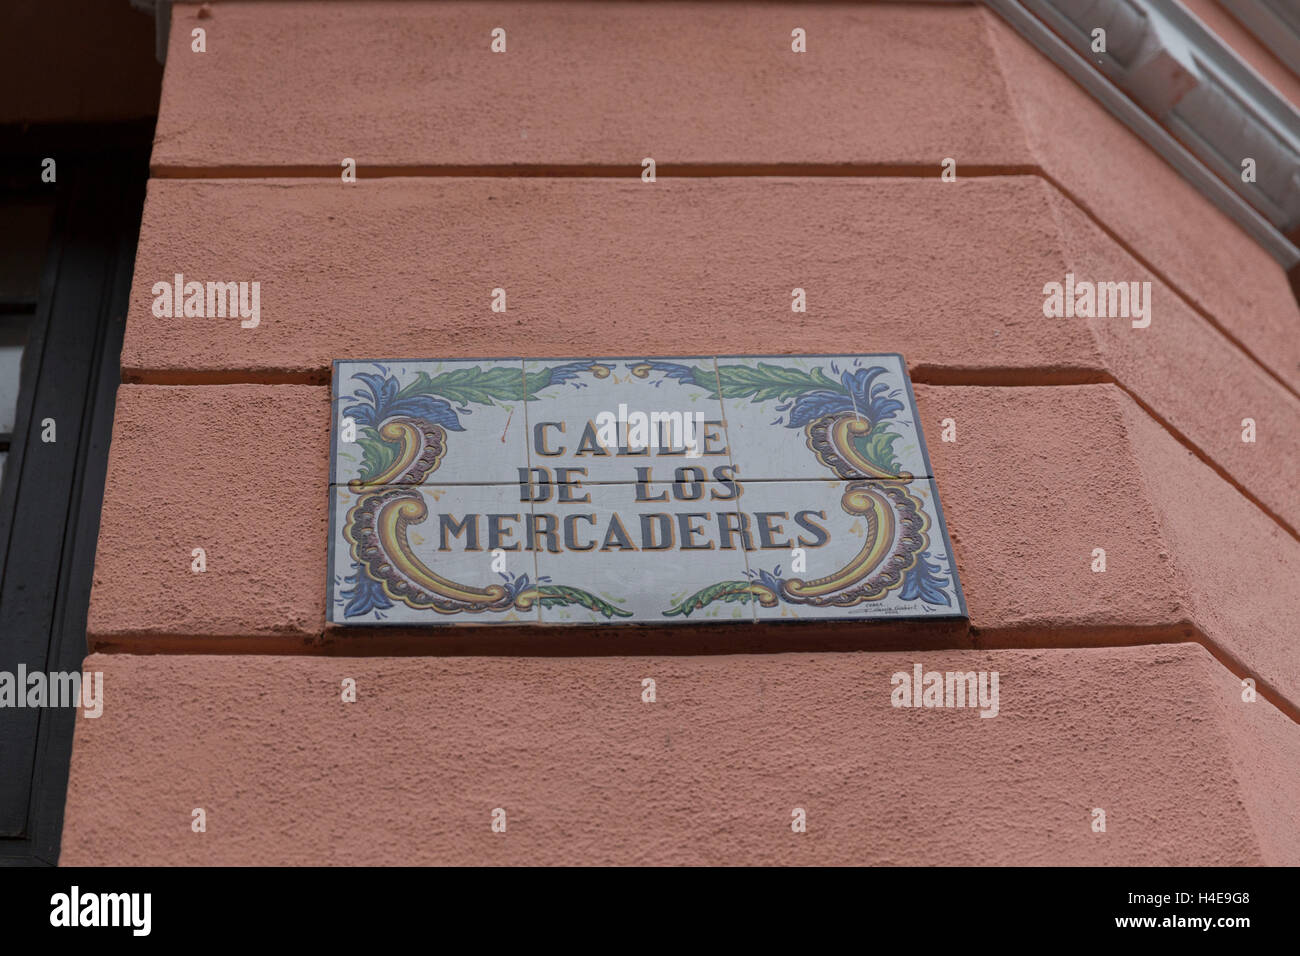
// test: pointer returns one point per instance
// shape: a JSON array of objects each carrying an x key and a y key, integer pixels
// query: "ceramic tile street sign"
[{"x": 601, "y": 491}]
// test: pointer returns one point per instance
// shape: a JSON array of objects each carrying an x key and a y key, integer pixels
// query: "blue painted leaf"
[
  {"x": 925, "y": 582},
  {"x": 364, "y": 596},
  {"x": 873, "y": 403},
  {"x": 813, "y": 405}
]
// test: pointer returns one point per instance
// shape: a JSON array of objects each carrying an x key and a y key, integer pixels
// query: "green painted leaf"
[
  {"x": 560, "y": 595},
  {"x": 469, "y": 385},
  {"x": 377, "y": 456},
  {"x": 765, "y": 382},
  {"x": 725, "y": 591},
  {"x": 877, "y": 446},
  {"x": 534, "y": 382}
]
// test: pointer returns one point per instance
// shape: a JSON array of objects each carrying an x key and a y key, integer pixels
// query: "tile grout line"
[
  {"x": 731, "y": 460},
  {"x": 532, "y": 505}
]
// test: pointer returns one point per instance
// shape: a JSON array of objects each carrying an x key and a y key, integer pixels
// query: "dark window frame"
[{"x": 51, "y": 494}]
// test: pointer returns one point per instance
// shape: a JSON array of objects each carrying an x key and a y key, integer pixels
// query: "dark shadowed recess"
[{"x": 67, "y": 249}]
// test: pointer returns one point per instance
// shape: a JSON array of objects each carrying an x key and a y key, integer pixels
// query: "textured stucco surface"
[
  {"x": 406, "y": 267},
  {"x": 1039, "y": 477},
  {"x": 1028, "y": 497},
  {"x": 410, "y": 773},
  {"x": 1241, "y": 572},
  {"x": 241, "y": 472},
  {"x": 410, "y": 84}
]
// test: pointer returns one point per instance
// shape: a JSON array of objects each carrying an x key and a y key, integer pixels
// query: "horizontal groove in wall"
[
  {"x": 230, "y": 376},
  {"x": 922, "y": 374},
  {"x": 1048, "y": 638},
  {"x": 590, "y": 171},
  {"x": 595, "y": 643}
]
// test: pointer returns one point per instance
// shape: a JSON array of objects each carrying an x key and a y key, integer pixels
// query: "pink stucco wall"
[
  {"x": 1121, "y": 690},
  {"x": 710, "y": 773}
]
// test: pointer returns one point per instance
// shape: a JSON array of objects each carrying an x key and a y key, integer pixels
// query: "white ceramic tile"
[
  {"x": 451, "y": 534},
  {"x": 566, "y": 398},
  {"x": 586, "y": 547},
  {"x": 465, "y": 416},
  {"x": 793, "y": 417},
  {"x": 612, "y": 547},
  {"x": 836, "y": 523}
]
